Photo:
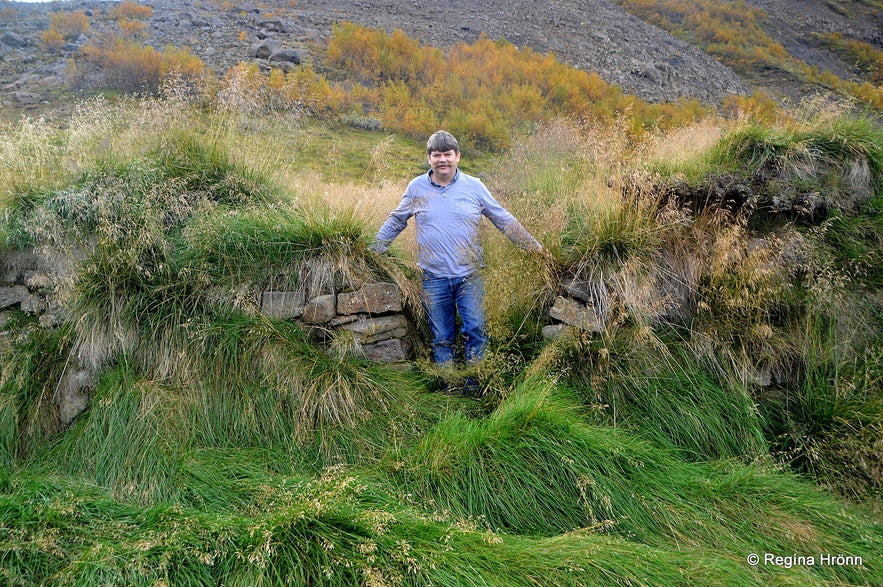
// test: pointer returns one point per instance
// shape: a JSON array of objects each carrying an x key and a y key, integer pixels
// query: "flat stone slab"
[
  {"x": 320, "y": 309},
  {"x": 581, "y": 290},
  {"x": 386, "y": 351},
  {"x": 374, "y": 298},
  {"x": 370, "y": 330},
  {"x": 282, "y": 304},
  {"x": 576, "y": 314}
]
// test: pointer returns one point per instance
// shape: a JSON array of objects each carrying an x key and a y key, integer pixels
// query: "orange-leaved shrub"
[
  {"x": 758, "y": 107},
  {"x": 245, "y": 89},
  {"x": 52, "y": 40},
  {"x": 131, "y": 67},
  {"x": 131, "y": 28},
  {"x": 130, "y": 10},
  {"x": 485, "y": 91},
  {"x": 64, "y": 26}
]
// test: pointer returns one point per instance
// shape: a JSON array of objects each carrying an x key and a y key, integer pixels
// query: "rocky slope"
[{"x": 594, "y": 35}]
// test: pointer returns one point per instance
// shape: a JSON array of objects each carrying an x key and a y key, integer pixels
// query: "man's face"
[{"x": 444, "y": 164}]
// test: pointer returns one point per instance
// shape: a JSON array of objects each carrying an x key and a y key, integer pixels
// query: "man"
[{"x": 448, "y": 205}]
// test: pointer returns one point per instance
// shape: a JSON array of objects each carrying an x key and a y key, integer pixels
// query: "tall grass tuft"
[
  {"x": 213, "y": 442},
  {"x": 311, "y": 245},
  {"x": 28, "y": 157},
  {"x": 29, "y": 378},
  {"x": 535, "y": 467},
  {"x": 839, "y": 161},
  {"x": 829, "y": 425},
  {"x": 334, "y": 530},
  {"x": 664, "y": 390}
]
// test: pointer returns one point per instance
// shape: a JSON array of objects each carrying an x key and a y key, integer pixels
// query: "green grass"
[
  {"x": 535, "y": 467},
  {"x": 360, "y": 535},
  {"x": 841, "y": 158},
  {"x": 664, "y": 390},
  {"x": 855, "y": 243},
  {"x": 443, "y": 512},
  {"x": 31, "y": 371}
]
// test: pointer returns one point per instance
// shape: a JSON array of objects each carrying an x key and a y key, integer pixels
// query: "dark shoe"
[{"x": 472, "y": 388}]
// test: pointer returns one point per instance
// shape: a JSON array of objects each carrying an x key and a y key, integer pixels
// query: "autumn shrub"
[
  {"x": 70, "y": 24},
  {"x": 130, "y": 28},
  {"x": 758, "y": 107},
  {"x": 246, "y": 90},
  {"x": 129, "y": 17},
  {"x": 488, "y": 90},
  {"x": 130, "y": 10},
  {"x": 132, "y": 67},
  {"x": 63, "y": 27},
  {"x": 52, "y": 40}
]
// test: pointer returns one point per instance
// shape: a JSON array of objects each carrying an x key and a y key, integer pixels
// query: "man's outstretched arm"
[{"x": 392, "y": 227}]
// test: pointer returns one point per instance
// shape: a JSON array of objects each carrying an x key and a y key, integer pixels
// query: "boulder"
[
  {"x": 72, "y": 394},
  {"x": 34, "y": 304},
  {"x": 284, "y": 55},
  {"x": 276, "y": 25},
  {"x": 12, "y": 295},
  {"x": 14, "y": 40},
  {"x": 265, "y": 48},
  {"x": 16, "y": 264}
]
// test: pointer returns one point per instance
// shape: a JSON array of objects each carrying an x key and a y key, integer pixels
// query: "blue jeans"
[{"x": 446, "y": 298}]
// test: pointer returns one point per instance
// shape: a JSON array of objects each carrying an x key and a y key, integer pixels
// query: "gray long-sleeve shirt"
[{"x": 447, "y": 220}]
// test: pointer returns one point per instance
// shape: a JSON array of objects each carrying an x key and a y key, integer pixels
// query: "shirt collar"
[{"x": 456, "y": 176}]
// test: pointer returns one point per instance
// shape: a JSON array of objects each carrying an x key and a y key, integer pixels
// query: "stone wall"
[
  {"x": 370, "y": 321},
  {"x": 23, "y": 279},
  {"x": 664, "y": 293},
  {"x": 577, "y": 306},
  {"x": 372, "y": 317}
]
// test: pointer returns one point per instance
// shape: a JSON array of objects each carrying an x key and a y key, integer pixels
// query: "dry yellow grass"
[{"x": 685, "y": 144}]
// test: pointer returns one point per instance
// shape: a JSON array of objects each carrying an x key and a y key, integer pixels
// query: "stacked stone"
[
  {"x": 372, "y": 315},
  {"x": 576, "y": 307},
  {"x": 21, "y": 284}
]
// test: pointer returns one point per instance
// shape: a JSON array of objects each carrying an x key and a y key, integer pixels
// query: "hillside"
[{"x": 594, "y": 35}]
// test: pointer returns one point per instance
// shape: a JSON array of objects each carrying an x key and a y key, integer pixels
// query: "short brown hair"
[{"x": 441, "y": 142}]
